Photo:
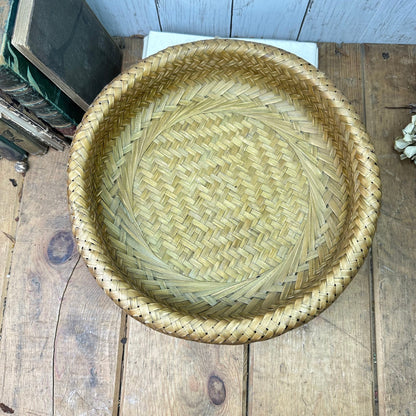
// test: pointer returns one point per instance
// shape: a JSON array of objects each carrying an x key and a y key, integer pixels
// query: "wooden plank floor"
[{"x": 66, "y": 349}]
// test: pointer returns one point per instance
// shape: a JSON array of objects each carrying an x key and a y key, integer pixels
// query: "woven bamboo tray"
[{"x": 223, "y": 191}]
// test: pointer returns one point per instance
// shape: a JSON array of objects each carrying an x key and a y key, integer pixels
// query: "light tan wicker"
[{"x": 223, "y": 191}]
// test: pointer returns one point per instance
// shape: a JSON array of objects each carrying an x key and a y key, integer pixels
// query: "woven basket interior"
[{"x": 224, "y": 185}]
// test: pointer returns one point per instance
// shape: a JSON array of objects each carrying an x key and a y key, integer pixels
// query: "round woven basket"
[{"x": 223, "y": 191}]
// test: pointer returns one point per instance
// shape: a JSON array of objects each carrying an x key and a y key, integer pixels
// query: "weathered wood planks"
[
  {"x": 203, "y": 17},
  {"x": 43, "y": 260},
  {"x": 164, "y": 375},
  {"x": 127, "y": 18},
  {"x": 390, "y": 81},
  {"x": 11, "y": 185},
  {"x": 58, "y": 340},
  {"x": 85, "y": 348},
  {"x": 268, "y": 19}
]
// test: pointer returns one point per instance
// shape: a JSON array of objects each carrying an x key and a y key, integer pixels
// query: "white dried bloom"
[
  {"x": 409, "y": 129},
  {"x": 400, "y": 144},
  {"x": 406, "y": 145},
  {"x": 409, "y": 138},
  {"x": 410, "y": 151}
]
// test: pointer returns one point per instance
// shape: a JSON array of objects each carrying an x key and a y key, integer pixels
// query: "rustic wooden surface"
[
  {"x": 168, "y": 376},
  {"x": 358, "y": 21},
  {"x": 85, "y": 348},
  {"x": 43, "y": 259},
  {"x": 66, "y": 349},
  {"x": 132, "y": 49},
  {"x": 11, "y": 184},
  {"x": 390, "y": 81}
]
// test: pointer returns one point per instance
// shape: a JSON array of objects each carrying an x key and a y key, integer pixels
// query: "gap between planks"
[
  {"x": 246, "y": 380},
  {"x": 121, "y": 354},
  {"x": 373, "y": 337},
  {"x": 11, "y": 190}
]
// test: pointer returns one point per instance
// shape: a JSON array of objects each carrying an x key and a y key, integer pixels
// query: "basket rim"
[{"x": 211, "y": 330}]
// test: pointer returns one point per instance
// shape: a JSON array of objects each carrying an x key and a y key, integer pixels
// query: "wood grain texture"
[
  {"x": 11, "y": 185},
  {"x": 39, "y": 274},
  {"x": 337, "y": 21},
  {"x": 392, "y": 22},
  {"x": 203, "y": 17},
  {"x": 357, "y": 21},
  {"x": 127, "y": 17},
  {"x": 86, "y": 347},
  {"x": 373, "y": 21},
  {"x": 323, "y": 367},
  {"x": 169, "y": 376},
  {"x": 60, "y": 332},
  {"x": 268, "y": 19},
  {"x": 343, "y": 65},
  {"x": 132, "y": 49},
  {"x": 390, "y": 81}
]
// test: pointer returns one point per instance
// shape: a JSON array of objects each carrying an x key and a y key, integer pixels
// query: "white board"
[{"x": 157, "y": 41}]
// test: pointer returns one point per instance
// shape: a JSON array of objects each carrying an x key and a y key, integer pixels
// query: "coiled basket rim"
[{"x": 243, "y": 329}]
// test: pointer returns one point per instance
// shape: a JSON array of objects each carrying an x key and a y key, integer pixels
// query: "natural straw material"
[{"x": 223, "y": 191}]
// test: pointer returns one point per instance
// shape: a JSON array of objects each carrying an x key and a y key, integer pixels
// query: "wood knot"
[
  {"x": 60, "y": 247},
  {"x": 216, "y": 390},
  {"x": 6, "y": 409}
]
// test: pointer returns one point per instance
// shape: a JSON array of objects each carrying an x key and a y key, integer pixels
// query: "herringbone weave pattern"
[{"x": 223, "y": 191}]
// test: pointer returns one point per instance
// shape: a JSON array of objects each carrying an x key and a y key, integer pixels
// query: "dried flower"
[
  {"x": 410, "y": 151},
  {"x": 406, "y": 145}
]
